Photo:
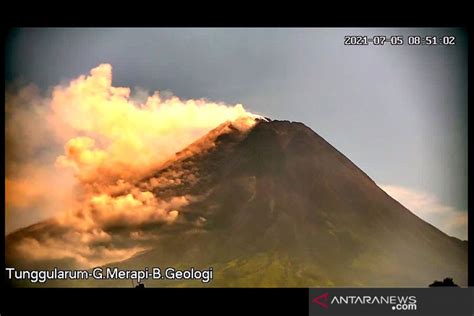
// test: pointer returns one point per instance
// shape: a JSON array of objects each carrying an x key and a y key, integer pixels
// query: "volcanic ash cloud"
[{"x": 75, "y": 153}]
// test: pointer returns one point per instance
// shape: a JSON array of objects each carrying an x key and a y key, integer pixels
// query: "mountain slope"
[{"x": 279, "y": 206}]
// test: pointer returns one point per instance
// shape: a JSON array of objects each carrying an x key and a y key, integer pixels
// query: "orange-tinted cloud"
[
  {"x": 425, "y": 205},
  {"x": 75, "y": 154},
  {"x": 120, "y": 139}
]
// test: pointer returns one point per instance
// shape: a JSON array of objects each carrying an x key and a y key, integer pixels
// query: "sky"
[{"x": 398, "y": 112}]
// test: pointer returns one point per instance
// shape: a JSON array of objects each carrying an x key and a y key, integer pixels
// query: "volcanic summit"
[{"x": 271, "y": 205}]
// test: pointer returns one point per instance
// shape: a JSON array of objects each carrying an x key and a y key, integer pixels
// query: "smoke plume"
[{"x": 75, "y": 153}]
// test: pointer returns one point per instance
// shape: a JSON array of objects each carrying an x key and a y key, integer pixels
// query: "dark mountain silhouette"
[
  {"x": 445, "y": 282},
  {"x": 279, "y": 206}
]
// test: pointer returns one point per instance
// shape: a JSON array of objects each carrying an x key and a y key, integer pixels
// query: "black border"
[
  {"x": 470, "y": 219},
  {"x": 155, "y": 301}
]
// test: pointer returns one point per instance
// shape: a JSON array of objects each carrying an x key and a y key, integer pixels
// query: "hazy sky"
[{"x": 398, "y": 112}]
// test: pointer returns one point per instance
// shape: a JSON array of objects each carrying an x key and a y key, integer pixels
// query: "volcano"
[{"x": 272, "y": 206}]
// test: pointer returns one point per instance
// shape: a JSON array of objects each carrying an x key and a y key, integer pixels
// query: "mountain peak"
[{"x": 271, "y": 203}]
